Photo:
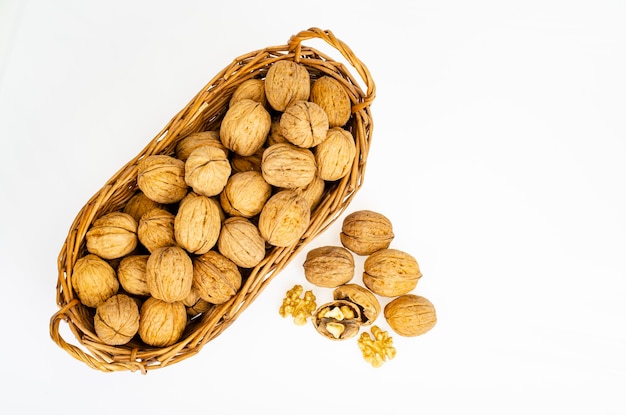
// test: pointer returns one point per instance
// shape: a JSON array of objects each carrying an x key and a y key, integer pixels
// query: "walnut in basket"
[
  {"x": 245, "y": 127},
  {"x": 241, "y": 242},
  {"x": 94, "y": 280},
  {"x": 161, "y": 323},
  {"x": 207, "y": 170},
  {"x": 197, "y": 223},
  {"x": 117, "y": 320},
  {"x": 285, "y": 83},
  {"x": 112, "y": 235},
  {"x": 253, "y": 89},
  {"x": 139, "y": 204},
  {"x": 162, "y": 178},
  {"x": 131, "y": 273},
  {"x": 215, "y": 277},
  {"x": 203, "y": 138},
  {"x": 328, "y": 93},
  {"x": 169, "y": 274},
  {"x": 156, "y": 229},
  {"x": 304, "y": 124},
  {"x": 335, "y": 155},
  {"x": 288, "y": 166},
  {"x": 245, "y": 194},
  {"x": 284, "y": 218}
]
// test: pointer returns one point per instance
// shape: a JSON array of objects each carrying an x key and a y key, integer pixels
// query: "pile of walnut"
[
  {"x": 387, "y": 273},
  {"x": 213, "y": 208}
]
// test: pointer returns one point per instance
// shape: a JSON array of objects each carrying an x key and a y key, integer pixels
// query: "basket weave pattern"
[{"x": 204, "y": 112}]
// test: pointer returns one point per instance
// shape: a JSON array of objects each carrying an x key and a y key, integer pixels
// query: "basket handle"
[{"x": 326, "y": 35}]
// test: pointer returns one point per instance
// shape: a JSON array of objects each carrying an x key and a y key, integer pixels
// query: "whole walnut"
[
  {"x": 112, "y": 235},
  {"x": 204, "y": 138},
  {"x": 241, "y": 242},
  {"x": 131, "y": 273},
  {"x": 161, "y": 324},
  {"x": 197, "y": 223},
  {"x": 117, "y": 320},
  {"x": 391, "y": 272},
  {"x": 328, "y": 93},
  {"x": 335, "y": 155},
  {"x": 169, "y": 274},
  {"x": 410, "y": 315},
  {"x": 215, "y": 277},
  {"x": 162, "y": 178},
  {"x": 247, "y": 163},
  {"x": 365, "y": 232},
  {"x": 329, "y": 266},
  {"x": 285, "y": 83},
  {"x": 139, "y": 204},
  {"x": 94, "y": 280},
  {"x": 275, "y": 136},
  {"x": 253, "y": 89},
  {"x": 284, "y": 218},
  {"x": 156, "y": 229},
  {"x": 207, "y": 170},
  {"x": 304, "y": 124},
  {"x": 245, "y": 127},
  {"x": 245, "y": 194},
  {"x": 196, "y": 305},
  {"x": 287, "y": 166}
]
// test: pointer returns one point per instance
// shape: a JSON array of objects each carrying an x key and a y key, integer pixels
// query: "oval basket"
[{"x": 204, "y": 112}]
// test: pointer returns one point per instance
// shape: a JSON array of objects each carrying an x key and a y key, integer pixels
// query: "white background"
[{"x": 498, "y": 154}]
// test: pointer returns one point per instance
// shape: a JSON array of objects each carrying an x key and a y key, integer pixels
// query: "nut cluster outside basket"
[{"x": 204, "y": 112}]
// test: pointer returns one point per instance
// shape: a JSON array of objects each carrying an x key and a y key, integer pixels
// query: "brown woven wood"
[{"x": 204, "y": 112}]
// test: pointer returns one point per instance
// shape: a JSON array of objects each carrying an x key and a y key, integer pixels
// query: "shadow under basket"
[{"x": 204, "y": 113}]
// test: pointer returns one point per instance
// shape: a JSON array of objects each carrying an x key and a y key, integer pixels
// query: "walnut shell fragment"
[
  {"x": 410, "y": 315},
  {"x": 117, "y": 320},
  {"x": 362, "y": 298}
]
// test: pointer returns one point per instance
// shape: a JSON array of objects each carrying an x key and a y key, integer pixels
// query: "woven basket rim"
[{"x": 203, "y": 112}]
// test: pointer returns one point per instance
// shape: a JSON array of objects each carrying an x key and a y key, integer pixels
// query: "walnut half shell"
[{"x": 337, "y": 320}]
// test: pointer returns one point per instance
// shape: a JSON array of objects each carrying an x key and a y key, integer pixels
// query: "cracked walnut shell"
[
  {"x": 117, "y": 320},
  {"x": 161, "y": 324},
  {"x": 337, "y": 320},
  {"x": 362, "y": 298},
  {"x": 410, "y": 315},
  {"x": 390, "y": 272}
]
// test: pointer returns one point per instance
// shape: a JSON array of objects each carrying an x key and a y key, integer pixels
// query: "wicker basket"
[{"x": 204, "y": 112}]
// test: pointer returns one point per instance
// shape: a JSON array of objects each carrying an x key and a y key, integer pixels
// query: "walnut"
[
  {"x": 94, "y": 280},
  {"x": 215, "y": 277},
  {"x": 335, "y": 155},
  {"x": 245, "y": 127},
  {"x": 117, "y": 320},
  {"x": 161, "y": 323},
  {"x": 287, "y": 166},
  {"x": 313, "y": 192},
  {"x": 207, "y": 170},
  {"x": 131, "y": 273},
  {"x": 284, "y": 218},
  {"x": 365, "y": 232},
  {"x": 204, "y": 138},
  {"x": 275, "y": 136},
  {"x": 304, "y": 124},
  {"x": 169, "y": 274},
  {"x": 378, "y": 349},
  {"x": 162, "y": 178},
  {"x": 337, "y": 320},
  {"x": 112, "y": 236},
  {"x": 286, "y": 82},
  {"x": 156, "y": 229},
  {"x": 253, "y": 89},
  {"x": 390, "y": 272},
  {"x": 410, "y": 315},
  {"x": 197, "y": 223},
  {"x": 247, "y": 163},
  {"x": 196, "y": 305},
  {"x": 362, "y": 298},
  {"x": 241, "y": 242},
  {"x": 329, "y": 266},
  {"x": 245, "y": 194},
  {"x": 328, "y": 93},
  {"x": 298, "y": 306},
  {"x": 140, "y": 204}
]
